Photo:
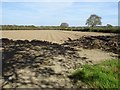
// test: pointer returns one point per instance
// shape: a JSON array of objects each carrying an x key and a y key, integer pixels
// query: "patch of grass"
[{"x": 103, "y": 75}]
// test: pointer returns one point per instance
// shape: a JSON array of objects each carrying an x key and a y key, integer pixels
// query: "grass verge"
[{"x": 103, "y": 75}]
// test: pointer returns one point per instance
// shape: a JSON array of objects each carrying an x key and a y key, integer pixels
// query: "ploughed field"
[
  {"x": 56, "y": 36},
  {"x": 33, "y": 59}
]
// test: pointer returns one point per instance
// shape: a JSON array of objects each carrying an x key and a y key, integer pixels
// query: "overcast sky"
[{"x": 49, "y": 12}]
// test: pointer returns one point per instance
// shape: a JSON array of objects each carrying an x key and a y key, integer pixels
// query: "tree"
[
  {"x": 109, "y": 25},
  {"x": 64, "y": 25},
  {"x": 93, "y": 20}
]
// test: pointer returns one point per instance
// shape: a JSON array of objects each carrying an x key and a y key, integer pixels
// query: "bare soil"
[
  {"x": 44, "y": 58},
  {"x": 55, "y": 36}
]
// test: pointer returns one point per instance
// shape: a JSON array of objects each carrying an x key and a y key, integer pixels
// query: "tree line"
[
  {"x": 92, "y": 23},
  {"x": 112, "y": 29}
]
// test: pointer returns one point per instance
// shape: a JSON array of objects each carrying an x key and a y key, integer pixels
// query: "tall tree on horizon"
[{"x": 94, "y": 20}]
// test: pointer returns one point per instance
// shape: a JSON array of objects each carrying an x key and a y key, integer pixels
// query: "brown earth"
[
  {"x": 55, "y": 36},
  {"x": 45, "y": 64}
]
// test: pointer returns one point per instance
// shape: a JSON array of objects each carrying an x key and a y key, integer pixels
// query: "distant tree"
[
  {"x": 64, "y": 25},
  {"x": 93, "y": 20},
  {"x": 109, "y": 25}
]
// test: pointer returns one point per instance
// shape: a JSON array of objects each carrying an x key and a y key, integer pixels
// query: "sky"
[{"x": 49, "y": 12}]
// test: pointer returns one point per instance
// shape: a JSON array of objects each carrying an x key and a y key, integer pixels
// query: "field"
[
  {"x": 59, "y": 45},
  {"x": 56, "y": 36},
  {"x": 46, "y": 58}
]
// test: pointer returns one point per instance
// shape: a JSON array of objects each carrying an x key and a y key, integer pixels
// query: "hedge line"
[{"x": 105, "y": 29}]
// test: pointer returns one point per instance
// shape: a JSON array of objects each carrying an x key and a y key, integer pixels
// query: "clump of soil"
[
  {"x": 105, "y": 43},
  {"x": 37, "y": 64}
]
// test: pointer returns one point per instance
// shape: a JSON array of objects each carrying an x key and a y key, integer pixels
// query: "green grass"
[{"x": 103, "y": 75}]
